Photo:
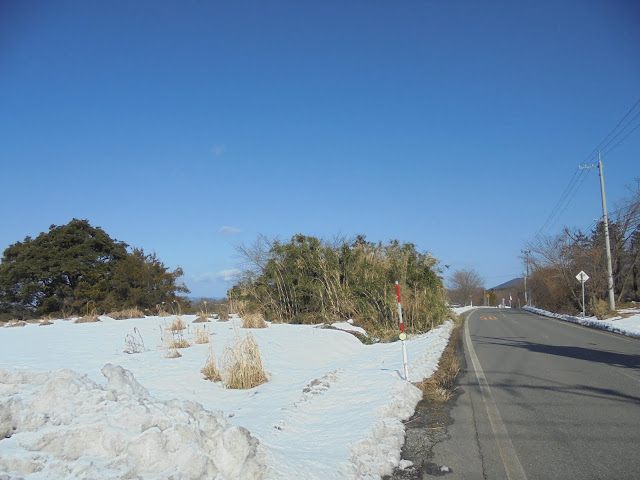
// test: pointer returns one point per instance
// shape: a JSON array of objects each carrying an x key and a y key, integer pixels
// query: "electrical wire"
[
  {"x": 623, "y": 138},
  {"x": 594, "y": 152},
  {"x": 566, "y": 198},
  {"x": 562, "y": 197},
  {"x": 568, "y": 202},
  {"x": 579, "y": 176}
]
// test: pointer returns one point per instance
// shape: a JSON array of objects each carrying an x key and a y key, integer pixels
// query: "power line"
[
  {"x": 565, "y": 200},
  {"x": 592, "y": 225},
  {"x": 575, "y": 191},
  {"x": 579, "y": 177},
  {"x": 594, "y": 152},
  {"x": 623, "y": 138},
  {"x": 562, "y": 197}
]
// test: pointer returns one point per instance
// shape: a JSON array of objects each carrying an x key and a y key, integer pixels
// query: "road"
[{"x": 543, "y": 399}]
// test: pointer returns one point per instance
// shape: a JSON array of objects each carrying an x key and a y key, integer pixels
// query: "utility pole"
[
  {"x": 612, "y": 299},
  {"x": 607, "y": 242}
]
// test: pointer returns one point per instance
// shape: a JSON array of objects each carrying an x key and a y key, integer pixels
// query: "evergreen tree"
[{"x": 75, "y": 267}]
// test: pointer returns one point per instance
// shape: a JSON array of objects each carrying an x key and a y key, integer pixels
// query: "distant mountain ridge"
[{"x": 511, "y": 283}]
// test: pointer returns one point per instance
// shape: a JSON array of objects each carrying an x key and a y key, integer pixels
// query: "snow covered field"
[
  {"x": 74, "y": 405},
  {"x": 627, "y": 324}
]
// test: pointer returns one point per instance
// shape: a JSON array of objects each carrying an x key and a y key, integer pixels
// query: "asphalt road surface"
[{"x": 543, "y": 399}]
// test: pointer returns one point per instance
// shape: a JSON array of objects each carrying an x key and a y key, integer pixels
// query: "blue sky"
[{"x": 186, "y": 128}]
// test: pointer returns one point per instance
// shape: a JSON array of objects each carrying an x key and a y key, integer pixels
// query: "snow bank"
[
  {"x": 460, "y": 310},
  {"x": 63, "y": 425},
  {"x": 332, "y": 410},
  {"x": 627, "y": 326},
  {"x": 379, "y": 452},
  {"x": 348, "y": 326}
]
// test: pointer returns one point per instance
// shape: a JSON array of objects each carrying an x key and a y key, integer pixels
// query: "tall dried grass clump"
[
  {"x": 161, "y": 310},
  {"x": 600, "y": 308},
  {"x": 210, "y": 370},
  {"x": 202, "y": 335},
  {"x": 15, "y": 323},
  {"x": 177, "y": 325},
  {"x": 253, "y": 320},
  {"x": 175, "y": 340},
  {"x": 90, "y": 316},
  {"x": 241, "y": 364},
  {"x": 87, "y": 319},
  {"x": 203, "y": 316},
  {"x": 178, "y": 341},
  {"x": 173, "y": 353},
  {"x": 47, "y": 320},
  {"x": 126, "y": 313},
  {"x": 175, "y": 335}
]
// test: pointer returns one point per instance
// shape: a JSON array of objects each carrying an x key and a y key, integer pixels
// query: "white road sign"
[{"x": 582, "y": 277}]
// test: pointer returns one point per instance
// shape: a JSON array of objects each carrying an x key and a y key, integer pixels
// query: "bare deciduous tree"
[
  {"x": 557, "y": 259},
  {"x": 465, "y": 286}
]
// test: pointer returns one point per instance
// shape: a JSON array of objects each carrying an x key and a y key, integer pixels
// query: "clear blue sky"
[{"x": 185, "y": 128}]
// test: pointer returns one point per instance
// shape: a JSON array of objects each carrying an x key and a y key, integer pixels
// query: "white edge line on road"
[
  {"x": 507, "y": 452},
  {"x": 567, "y": 323}
]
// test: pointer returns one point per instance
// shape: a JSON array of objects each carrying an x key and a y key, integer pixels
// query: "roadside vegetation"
[
  {"x": 310, "y": 281},
  {"x": 440, "y": 387},
  {"x": 555, "y": 261}
]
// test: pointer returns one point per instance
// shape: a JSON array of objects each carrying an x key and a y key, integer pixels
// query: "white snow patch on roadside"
[
  {"x": 626, "y": 326},
  {"x": 460, "y": 310},
  {"x": 349, "y": 327}
]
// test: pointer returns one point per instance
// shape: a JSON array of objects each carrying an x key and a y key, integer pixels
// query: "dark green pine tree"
[{"x": 77, "y": 267}]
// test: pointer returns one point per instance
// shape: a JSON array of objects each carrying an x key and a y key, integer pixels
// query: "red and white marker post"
[{"x": 403, "y": 336}]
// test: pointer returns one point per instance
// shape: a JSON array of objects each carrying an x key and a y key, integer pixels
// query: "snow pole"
[{"x": 403, "y": 336}]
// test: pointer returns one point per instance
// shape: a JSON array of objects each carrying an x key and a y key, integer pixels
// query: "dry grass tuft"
[
  {"x": 161, "y": 310},
  {"x": 210, "y": 370},
  {"x": 600, "y": 308},
  {"x": 87, "y": 319},
  {"x": 174, "y": 334},
  {"x": 241, "y": 364},
  {"x": 134, "y": 345},
  {"x": 173, "y": 354},
  {"x": 202, "y": 335},
  {"x": 15, "y": 323},
  {"x": 45, "y": 321},
  {"x": 126, "y": 313},
  {"x": 253, "y": 320},
  {"x": 439, "y": 387},
  {"x": 201, "y": 319},
  {"x": 175, "y": 342},
  {"x": 177, "y": 325}
]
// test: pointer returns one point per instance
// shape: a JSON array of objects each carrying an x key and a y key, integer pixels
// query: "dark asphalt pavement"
[{"x": 543, "y": 399}]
